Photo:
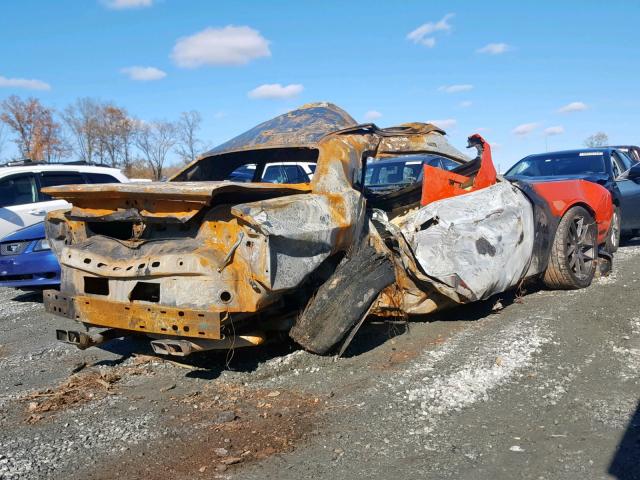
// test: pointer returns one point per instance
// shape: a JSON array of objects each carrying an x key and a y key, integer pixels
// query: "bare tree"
[
  {"x": 38, "y": 135},
  {"x": 188, "y": 145},
  {"x": 128, "y": 131},
  {"x": 109, "y": 124},
  {"x": 3, "y": 138},
  {"x": 83, "y": 118},
  {"x": 598, "y": 139},
  {"x": 53, "y": 145},
  {"x": 155, "y": 140}
]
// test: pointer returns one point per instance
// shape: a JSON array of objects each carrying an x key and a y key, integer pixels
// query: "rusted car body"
[{"x": 199, "y": 262}]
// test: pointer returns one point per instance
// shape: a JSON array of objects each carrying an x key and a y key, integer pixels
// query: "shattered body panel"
[
  {"x": 478, "y": 244},
  {"x": 194, "y": 262}
]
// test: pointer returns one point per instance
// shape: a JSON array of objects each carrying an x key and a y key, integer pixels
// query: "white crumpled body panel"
[{"x": 478, "y": 243}]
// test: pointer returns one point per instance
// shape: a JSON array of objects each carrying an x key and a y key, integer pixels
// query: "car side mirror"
[{"x": 634, "y": 172}]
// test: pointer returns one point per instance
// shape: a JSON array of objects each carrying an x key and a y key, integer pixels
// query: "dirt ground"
[{"x": 543, "y": 386}]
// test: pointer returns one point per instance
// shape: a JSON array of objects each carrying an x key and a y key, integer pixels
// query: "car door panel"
[
  {"x": 18, "y": 207},
  {"x": 629, "y": 203},
  {"x": 628, "y": 191}
]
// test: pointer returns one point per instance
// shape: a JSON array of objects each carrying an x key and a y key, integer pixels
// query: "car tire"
[
  {"x": 574, "y": 253},
  {"x": 342, "y": 300},
  {"x": 614, "y": 236}
]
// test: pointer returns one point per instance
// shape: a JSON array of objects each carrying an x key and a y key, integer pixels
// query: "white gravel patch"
[
  {"x": 490, "y": 368},
  {"x": 88, "y": 429},
  {"x": 432, "y": 390}
]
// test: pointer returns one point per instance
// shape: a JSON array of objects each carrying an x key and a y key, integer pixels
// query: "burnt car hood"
[{"x": 160, "y": 201}]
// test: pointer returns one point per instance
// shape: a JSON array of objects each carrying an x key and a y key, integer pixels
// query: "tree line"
[{"x": 99, "y": 132}]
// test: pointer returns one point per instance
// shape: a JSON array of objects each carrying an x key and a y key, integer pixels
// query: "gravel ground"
[{"x": 546, "y": 387}]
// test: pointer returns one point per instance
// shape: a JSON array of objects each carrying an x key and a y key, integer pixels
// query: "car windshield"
[
  {"x": 398, "y": 171},
  {"x": 559, "y": 164}
]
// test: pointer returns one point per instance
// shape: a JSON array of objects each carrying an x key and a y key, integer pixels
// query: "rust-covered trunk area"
[{"x": 168, "y": 258}]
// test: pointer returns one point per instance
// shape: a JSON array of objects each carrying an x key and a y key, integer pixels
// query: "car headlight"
[{"x": 42, "y": 245}]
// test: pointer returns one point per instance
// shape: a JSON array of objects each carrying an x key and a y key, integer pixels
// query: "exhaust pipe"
[
  {"x": 84, "y": 340},
  {"x": 182, "y": 348}
]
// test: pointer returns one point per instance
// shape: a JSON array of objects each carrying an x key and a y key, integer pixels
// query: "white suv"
[
  {"x": 22, "y": 203},
  {"x": 275, "y": 172}
]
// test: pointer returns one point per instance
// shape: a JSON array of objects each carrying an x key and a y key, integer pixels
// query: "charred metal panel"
[
  {"x": 302, "y": 230},
  {"x": 134, "y": 195},
  {"x": 301, "y": 127},
  {"x": 417, "y": 138},
  {"x": 478, "y": 244}
]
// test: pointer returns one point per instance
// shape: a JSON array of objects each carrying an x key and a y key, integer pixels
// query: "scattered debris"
[
  {"x": 221, "y": 452},
  {"x": 78, "y": 389},
  {"x": 225, "y": 417},
  {"x": 78, "y": 367},
  {"x": 497, "y": 306}
]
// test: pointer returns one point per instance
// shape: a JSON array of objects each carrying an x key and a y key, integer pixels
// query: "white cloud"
[
  {"x": 30, "y": 84},
  {"x": 551, "y": 131},
  {"x": 124, "y": 4},
  {"x": 525, "y": 128},
  {"x": 444, "y": 124},
  {"x": 143, "y": 74},
  {"x": 494, "y": 48},
  {"x": 276, "y": 90},
  {"x": 220, "y": 46},
  {"x": 420, "y": 35},
  {"x": 219, "y": 114},
  {"x": 455, "y": 88},
  {"x": 466, "y": 104},
  {"x": 573, "y": 107},
  {"x": 372, "y": 115}
]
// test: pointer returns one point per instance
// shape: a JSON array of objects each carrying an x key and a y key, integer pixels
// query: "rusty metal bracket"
[{"x": 229, "y": 256}]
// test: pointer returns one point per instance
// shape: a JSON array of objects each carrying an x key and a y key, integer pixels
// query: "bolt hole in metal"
[
  {"x": 225, "y": 296},
  {"x": 581, "y": 247},
  {"x": 155, "y": 264}
]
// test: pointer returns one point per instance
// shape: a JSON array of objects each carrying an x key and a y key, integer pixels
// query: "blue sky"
[{"x": 363, "y": 56}]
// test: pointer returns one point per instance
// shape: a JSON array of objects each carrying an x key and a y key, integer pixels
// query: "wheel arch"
[{"x": 584, "y": 205}]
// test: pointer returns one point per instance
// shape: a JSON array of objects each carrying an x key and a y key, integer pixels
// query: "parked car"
[
  {"x": 22, "y": 202},
  {"x": 607, "y": 166},
  {"x": 278, "y": 172},
  {"x": 632, "y": 151},
  {"x": 402, "y": 171},
  {"x": 26, "y": 259},
  {"x": 200, "y": 263}
]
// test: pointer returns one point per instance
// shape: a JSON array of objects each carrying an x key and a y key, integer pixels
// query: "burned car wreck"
[{"x": 200, "y": 263}]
